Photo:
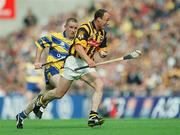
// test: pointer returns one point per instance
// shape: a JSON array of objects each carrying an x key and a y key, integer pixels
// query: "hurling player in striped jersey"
[{"x": 90, "y": 38}]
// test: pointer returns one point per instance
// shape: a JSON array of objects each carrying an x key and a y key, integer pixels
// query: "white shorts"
[{"x": 72, "y": 63}]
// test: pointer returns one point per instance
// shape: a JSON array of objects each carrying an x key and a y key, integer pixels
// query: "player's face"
[
  {"x": 104, "y": 21},
  {"x": 71, "y": 29}
]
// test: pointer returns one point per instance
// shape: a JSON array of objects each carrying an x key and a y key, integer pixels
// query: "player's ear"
[
  {"x": 99, "y": 19},
  {"x": 65, "y": 26}
]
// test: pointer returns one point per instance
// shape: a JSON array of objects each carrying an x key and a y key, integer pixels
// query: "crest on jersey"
[
  {"x": 101, "y": 38},
  {"x": 80, "y": 34}
]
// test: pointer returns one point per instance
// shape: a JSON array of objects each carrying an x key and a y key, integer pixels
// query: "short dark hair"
[
  {"x": 71, "y": 19},
  {"x": 99, "y": 13}
]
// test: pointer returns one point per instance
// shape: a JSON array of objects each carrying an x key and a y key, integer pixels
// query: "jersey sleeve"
[
  {"x": 81, "y": 37},
  {"x": 43, "y": 42}
]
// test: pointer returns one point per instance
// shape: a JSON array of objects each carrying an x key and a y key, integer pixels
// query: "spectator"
[{"x": 30, "y": 19}]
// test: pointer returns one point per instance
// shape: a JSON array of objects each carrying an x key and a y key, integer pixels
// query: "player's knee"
[{"x": 58, "y": 96}]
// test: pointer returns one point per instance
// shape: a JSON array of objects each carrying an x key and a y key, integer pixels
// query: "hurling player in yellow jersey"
[
  {"x": 90, "y": 38},
  {"x": 59, "y": 45}
]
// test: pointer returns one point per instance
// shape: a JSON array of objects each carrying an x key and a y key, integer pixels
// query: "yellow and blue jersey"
[{"x": 59, "y": 47}]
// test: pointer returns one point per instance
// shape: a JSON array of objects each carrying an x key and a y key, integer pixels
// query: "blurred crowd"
[{"x": 152, "y": 26}]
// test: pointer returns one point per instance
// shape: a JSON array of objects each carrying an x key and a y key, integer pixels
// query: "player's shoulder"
[
  {"x": 85, "y": 27},
  {"x": 56, "y": 34},
  {"x": 85, "y": 24},
  {"x": 58, "y": 37}
]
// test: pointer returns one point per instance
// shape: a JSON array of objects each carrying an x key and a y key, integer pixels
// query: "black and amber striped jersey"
[
  {"x": 58, "y": 46},
  {"x": 91, "y": 39}
]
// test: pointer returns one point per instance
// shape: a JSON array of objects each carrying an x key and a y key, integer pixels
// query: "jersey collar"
[
  {"x": 64, "y": 34},
  {"x": 93, "y": 25}
]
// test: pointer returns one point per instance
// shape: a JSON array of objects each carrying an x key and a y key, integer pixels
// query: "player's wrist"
[{"x": 103, "y": 54}]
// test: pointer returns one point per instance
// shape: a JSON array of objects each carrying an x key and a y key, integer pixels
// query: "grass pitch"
[{"x": 79, "y": 127}]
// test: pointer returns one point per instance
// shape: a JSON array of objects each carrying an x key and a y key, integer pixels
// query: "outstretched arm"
[
  {"x": 41, "y": 44},
  {"x": 37, "y": 62}
]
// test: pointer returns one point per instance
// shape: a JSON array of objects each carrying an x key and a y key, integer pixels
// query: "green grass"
[{"x": 79, "y": 127}]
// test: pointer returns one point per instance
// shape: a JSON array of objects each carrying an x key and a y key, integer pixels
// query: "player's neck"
[
  {"x": 96, "y": 25},
  {"x": 66, "y": 35}
]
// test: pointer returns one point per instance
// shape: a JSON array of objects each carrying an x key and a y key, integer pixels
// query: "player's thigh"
[
  {"x": 93, "y": 78},
  {"x": 63, "y": 86},
  {"x": 54, "y": 80}
]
